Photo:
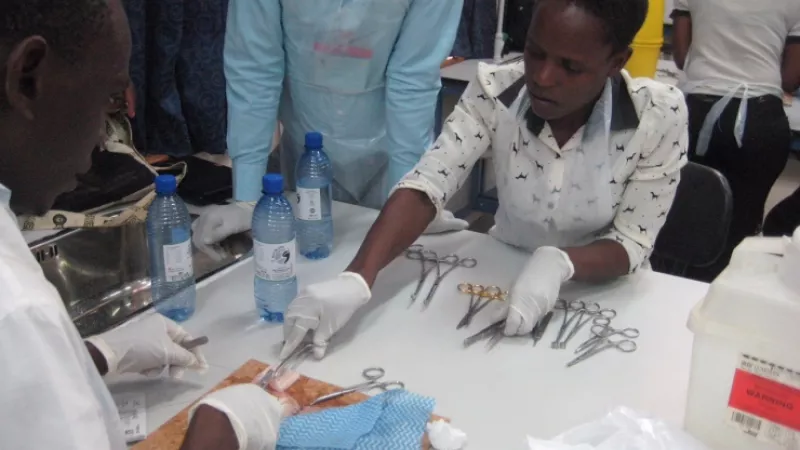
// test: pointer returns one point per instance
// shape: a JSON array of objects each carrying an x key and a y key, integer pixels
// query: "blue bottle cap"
[
  {"x": 313, "y": 140},
  {"x": 272, "y": 183},
  {"x": 166, "y": 184}
]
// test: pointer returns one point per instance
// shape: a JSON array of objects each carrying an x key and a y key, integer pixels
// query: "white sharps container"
[{"x": 744, "y": 389}]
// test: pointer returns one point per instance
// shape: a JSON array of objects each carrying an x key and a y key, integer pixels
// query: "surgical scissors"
[
  {"x": 454, "y": 262},
  {"x": 477, "y": 293},
  {"x": 372, "y": 374},
  {"x": 593, "y": 313},
  {"x": 602, "y": 331},
  {"x": 624, "y": 345}
]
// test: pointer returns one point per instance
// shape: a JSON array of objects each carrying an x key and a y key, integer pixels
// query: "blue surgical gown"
[{"x": 364, "y": 73}]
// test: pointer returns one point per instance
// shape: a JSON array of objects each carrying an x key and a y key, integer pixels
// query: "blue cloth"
[
  {"x": 176, "y": 69},
  {"x": 393, "y": 420},
  {"x": 364, "y": 73}
]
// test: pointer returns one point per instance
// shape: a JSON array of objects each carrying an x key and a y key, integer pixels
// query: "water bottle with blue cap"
[
  {"x": 314, "y": 177},
  {"x": 169, "y": 232},
  {"x": 275, "y": 249}
]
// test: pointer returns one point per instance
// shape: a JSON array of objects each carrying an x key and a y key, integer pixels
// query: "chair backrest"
[{"x": 696, "y": 229}]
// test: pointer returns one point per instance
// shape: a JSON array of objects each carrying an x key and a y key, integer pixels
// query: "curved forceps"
[
  {"x": 602, "y": 332},
  {"x": 574, "y": 305},
  {"x": 593, "y": 313},
  {"x": 417, "y": 252},
  {"x": 372, "y": 374}
]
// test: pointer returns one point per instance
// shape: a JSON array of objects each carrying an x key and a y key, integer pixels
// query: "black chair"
[{"x": 696, "y": 230}]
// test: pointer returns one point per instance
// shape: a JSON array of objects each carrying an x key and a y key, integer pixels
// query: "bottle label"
[
  {"x": 309, "y": 204},
  {"x": 762, "y": 402},
  {"x": 275, "y": 262},
  {"x": 178, "y": 264}
]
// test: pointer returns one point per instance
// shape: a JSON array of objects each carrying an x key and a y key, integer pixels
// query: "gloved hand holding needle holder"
[{"x": 149, "y": 347}]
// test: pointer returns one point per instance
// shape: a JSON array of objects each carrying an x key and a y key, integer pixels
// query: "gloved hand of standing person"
[
  {"x": 536, "y": 290},
  {"x": 323, "y": 308},
  {"x": 217, "y": 223},
  {"x": 148, "y": 347},
  {"x": 446, "y": 222},
  {"x": 254, "y": 414}
]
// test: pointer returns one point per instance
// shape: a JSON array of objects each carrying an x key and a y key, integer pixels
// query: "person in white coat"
[
  {"x": 63, "y": 61},
  {"x": 587, "y": 161}
]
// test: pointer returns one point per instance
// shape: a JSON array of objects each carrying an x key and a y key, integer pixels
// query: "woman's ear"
[{"x": 619, "y": 60}]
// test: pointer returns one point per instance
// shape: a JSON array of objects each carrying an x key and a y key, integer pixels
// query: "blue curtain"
[
  {"x": 176, "y": 68},
  {"x": 475, "y": 38}
]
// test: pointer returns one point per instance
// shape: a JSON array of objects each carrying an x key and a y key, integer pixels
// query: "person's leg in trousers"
[{"x": 751, "y": 170}]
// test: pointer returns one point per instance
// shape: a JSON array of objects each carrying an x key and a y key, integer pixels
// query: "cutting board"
[{"x": 304, "y": 391}]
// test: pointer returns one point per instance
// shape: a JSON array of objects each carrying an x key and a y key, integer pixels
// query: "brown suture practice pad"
[{"x": 305, "y": 390}]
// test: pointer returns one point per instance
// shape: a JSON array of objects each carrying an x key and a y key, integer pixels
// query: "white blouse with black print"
[{"x": 647, "y": 149}]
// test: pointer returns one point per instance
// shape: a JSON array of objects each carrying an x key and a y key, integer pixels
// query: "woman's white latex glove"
[
  {"x": 217, "y": 223},
  {"x": 148, "y": 347},
  {"x": 255, "y": 415},
  {"x": 323, "y": 308},
  {"x": 536, "y": 290},
  {"x": 446, "y": 222}
]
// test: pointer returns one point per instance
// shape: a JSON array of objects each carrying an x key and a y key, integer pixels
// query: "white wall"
[{"x": 668, "y": 6}]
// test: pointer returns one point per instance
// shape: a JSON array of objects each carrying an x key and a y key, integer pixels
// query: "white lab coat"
[{"x": 51, "y": 395}]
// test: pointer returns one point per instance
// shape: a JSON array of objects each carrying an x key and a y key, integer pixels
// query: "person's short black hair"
[
  {"x": 67, "y": 25},
  {"x": 621, "y": 19}
]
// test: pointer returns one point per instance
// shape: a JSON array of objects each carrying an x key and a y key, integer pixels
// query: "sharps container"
[{"x": 744, "y": 388}]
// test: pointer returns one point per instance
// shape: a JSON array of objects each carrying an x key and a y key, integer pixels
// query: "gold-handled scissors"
[{"x": 480, "y": 297}]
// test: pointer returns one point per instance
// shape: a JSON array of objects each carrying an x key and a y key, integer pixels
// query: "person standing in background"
[
  {"x": 738, "y": 61},
  {"x": 364, "y": 73}
]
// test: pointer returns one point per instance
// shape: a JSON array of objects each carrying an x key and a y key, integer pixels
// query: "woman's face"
[{"x": 567, "y": 59}]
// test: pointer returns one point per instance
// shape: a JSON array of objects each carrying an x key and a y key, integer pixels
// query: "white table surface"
[
  {"x": 666, "y": 72},
  {"x": 496, "y": 397}
]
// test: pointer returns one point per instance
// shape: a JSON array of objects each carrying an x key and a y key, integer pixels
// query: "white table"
[{"x": 497, "y": 397}]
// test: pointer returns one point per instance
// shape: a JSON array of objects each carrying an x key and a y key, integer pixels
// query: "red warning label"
[{"x": 765, "y": 398}]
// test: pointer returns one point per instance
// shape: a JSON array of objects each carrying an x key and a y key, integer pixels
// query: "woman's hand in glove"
[{"x": 536, "y": 290}]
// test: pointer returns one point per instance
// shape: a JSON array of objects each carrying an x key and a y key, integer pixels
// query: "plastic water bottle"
[
  {"x": 275, "y": 251},
  {"x": 314, "y": 176},
  {"x": 169, "y": 232}
]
